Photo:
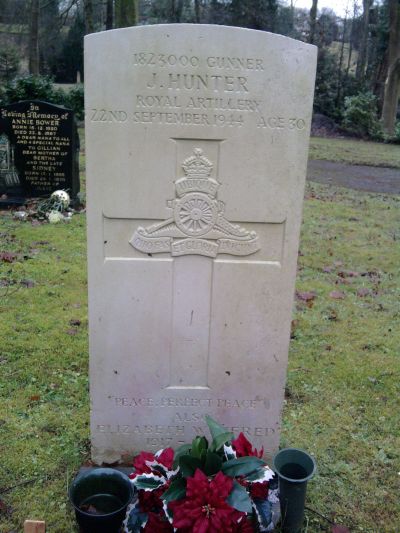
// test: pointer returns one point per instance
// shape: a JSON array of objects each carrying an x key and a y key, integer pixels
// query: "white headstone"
[{"x": 196, "y": 140}]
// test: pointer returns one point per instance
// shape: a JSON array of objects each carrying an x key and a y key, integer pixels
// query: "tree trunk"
[
  {"x": 392, "y": 83},
  {"x": 351, "y": 39},
  {"x": 197, "y": 11},
  {"x": 126, "y": 13},
  {"x": 313, "y": 21},
  {"x": 109, "y": 15},
  {"x": 362, "y": 53},
  {"x": 89, "y": 23},
  {"x": 176, "y": 8},
  {"x": 34, "y": 38},
  {"x": 340, "y": 66}
]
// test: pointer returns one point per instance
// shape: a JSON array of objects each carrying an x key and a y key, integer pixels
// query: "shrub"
[
  {"x": 30, "y": 88},
  {"x": 9, "y": 63},
  {"x": 325, "y": 85},
  {"x": 41, "y": 88},
  {"x": 75, "y": 101},
  {"x": 397, "y": 132},
  {"x": 360, "y": 115}
]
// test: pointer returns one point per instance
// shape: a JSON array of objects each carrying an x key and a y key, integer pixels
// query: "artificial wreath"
[{"x": 222, "y": 486}]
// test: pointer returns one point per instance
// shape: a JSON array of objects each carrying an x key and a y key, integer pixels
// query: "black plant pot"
[
  {"x": 294, "y": 468},
  {"x": 100, "y": 498}
]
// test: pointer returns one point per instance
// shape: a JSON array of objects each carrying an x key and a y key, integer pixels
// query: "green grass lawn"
[
  {"x": 342, "y": 391},
  {"x": 355, "y": 152}
]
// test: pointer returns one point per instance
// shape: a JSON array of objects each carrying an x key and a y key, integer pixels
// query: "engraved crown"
[{"x": 197, "y": 165}]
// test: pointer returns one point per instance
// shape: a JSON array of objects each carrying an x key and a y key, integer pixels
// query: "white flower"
[
  {"x": 54, "y": 217},
  {"x": 62, "y": 197}
]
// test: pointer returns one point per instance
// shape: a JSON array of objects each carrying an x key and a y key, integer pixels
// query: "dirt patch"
[{"x": 360, "y": 177}]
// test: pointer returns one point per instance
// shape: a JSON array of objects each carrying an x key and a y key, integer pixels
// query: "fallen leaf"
[
  {"x": 363, "y": 291},
  {"x": 337, "y": 295},
  {"x": 8, "y": 257},
  {"x": 35, "y": 398},
  {"x": 343, "y": 281},
  {"x": 340, "y": 529},
  {"x": 4, "y": 508},
  {"x": 305, "y": 296},
  {"x": 28, "y": 283},
  {"x": 91, "y": 509},
  {"x": 348, "y": 274},
  {"x": 332, "y": 314},
  {"x": 294, "y": 325}
]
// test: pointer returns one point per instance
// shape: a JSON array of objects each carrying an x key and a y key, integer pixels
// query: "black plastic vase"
[
  {"x": 294, "y": 468},
  {"x": 100, "y": 497}
]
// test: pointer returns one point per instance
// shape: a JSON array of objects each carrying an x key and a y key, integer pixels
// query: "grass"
[
  {"x": 355, "y": 152},
  {"x": 342, "y": 388}
]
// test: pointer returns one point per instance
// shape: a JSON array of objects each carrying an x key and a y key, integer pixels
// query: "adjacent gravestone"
[
  {"x": 197, "y": 143},
  {"x": 39, "y": 148}
]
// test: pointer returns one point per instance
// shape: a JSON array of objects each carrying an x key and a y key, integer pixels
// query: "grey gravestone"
[{"x": 39, "y": 147}]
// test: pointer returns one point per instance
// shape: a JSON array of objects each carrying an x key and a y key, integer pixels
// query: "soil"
[{"x": 360, "y": 177}]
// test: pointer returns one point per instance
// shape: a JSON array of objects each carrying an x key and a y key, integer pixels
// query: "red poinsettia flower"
[
  {"x": 204, "y": 508},
  {"x": 150, "y": 500},
  {"x": 259, "y": 490},
  {"x": 156, "y": 523},
  {"x": 139, "y": 463},
  {"x": 244, "y": 448},
  {"x": 244, "y": 526},
  {"x": 165, "y": 458}
]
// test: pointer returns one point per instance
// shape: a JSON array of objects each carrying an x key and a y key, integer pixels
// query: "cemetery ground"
[{"x": 342, "y": 389}]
